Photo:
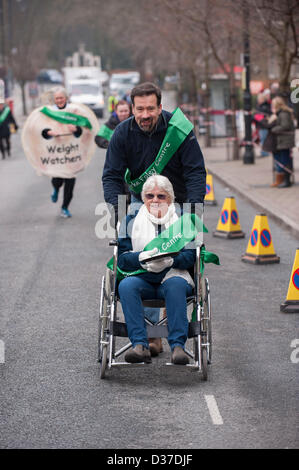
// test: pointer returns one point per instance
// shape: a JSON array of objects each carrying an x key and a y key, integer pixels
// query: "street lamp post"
[{"x": 248, "y": 157}]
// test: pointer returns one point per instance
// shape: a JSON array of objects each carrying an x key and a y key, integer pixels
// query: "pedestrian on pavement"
[
  {"x": 7, "y": 121},
  {"x": 134, "y": 147},
  {"x": 61, "y": 99},
  {"x": 282, "y": 128},
  {"x": 262, "y": 111},
  {"x": 167, "y": 278},
  {"x": 121, "y": 113}
]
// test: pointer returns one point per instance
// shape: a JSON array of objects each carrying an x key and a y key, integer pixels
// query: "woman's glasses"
[{"x": 161, "y": 197}]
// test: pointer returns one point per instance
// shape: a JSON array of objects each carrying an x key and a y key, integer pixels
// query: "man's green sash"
[
  {"x": 178, "y": 129},
  {"x": 4, "y": 114},
  {"x": 105, "y": 132},
  {"x": 174, "y": 238},
  {"x": 67, "y": 118}
]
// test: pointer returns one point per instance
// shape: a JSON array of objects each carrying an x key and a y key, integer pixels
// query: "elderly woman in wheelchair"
[{"x": 160, "y": 277}]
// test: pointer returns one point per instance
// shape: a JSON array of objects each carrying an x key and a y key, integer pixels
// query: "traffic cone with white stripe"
[
  {"x": 291, "y": 304},
  {"x": 228, "y": 224},
  {"x": 260, "y": 248}
]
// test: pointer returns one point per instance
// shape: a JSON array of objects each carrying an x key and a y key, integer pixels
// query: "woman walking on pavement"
[
  {"x": 6, "y": 119},
  {"x": 281, "y": 126},
  {"x": 60, "y": 100}
]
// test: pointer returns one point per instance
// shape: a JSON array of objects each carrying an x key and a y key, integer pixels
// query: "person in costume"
[
  {"x": 60, "y": 99},
  {"x": 6, "y": 120},
  {"x": 136, "y": 147},
  {"x": 121, "y": 113},
  {"x": 165, "y": 278}
]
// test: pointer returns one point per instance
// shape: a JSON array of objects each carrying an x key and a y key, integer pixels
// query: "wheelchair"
[{"x": 198, "y": 309}]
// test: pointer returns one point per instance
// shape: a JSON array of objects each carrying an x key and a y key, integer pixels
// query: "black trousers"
[
  {"x": 69, "y": 184},
  {"x": 6, "y": 147}
]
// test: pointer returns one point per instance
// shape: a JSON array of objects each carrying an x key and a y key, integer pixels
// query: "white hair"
[
  {"x": 59, "y": 89},
  {"x": 161, "y": 182}
]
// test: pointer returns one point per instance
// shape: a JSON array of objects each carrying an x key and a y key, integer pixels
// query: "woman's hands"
[
  {"x": 147, "y": 254},
  {"x": 154, "y": 266},
  {"x": 159, "y": 265},
  {"x": 272, "y": 118}
]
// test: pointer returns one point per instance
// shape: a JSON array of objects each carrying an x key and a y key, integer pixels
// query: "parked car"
[{"x": 50, "y": 76}]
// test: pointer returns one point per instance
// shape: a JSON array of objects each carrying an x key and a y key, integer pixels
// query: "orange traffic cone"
[
  {"x": 210, "y": 197},
  {"x": 260, "y": 248},
  {"x": 228, "y": 224},
  {"x": 291, "y": 305}
]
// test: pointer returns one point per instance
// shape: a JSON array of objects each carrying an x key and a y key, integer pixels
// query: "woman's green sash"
[
  {"x": 67, "y": 118},
  {"x": 105, "y": 132},
  {"x": 179, "y": 127},
  {"x": 174, "y": 238},
  {"x": 4, "y": 114}
]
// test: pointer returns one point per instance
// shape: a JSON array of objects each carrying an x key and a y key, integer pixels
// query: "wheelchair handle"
[{"x": 113, "y": 243}]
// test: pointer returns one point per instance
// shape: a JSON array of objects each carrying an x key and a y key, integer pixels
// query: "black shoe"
[
  {"x": 287, "y": 181},
  {"x": 138, "y": 354},
  {"x": 179, "y": 356}
]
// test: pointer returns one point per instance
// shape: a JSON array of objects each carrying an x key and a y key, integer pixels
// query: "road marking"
[
  {"x": 2, "y": 352},
  {"x": 213, "y": 409}
]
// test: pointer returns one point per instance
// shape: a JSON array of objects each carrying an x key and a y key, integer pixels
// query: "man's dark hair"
[{"x": 146, "y": 89}]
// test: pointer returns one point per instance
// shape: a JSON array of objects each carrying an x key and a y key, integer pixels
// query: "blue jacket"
[
  {"x": 128, "y": 259},
  {"x": 132, "y": 148}
]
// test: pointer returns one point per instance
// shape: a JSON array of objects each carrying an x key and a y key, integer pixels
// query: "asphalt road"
[{"x": 51, "y": 393}]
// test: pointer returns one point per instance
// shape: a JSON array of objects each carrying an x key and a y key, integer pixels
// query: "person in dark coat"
[
  {"x": 121, "y": 113},
  {"x": 262, "y": 111},
  {"x": 6, "y": 120},
  {"x": 136, "y": 142},
  {"x": 167, "y": 278},
  {"x": 282, "y": 130}
]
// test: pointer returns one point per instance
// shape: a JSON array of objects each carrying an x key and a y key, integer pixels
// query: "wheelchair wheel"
[
  {"x": 202, "y": 343},
  {"x": 204, "y": 363},
  {"x": 208, "y": 319},
  {"x": 103, "y": 336},
  {"x": 201, "y": 356}
]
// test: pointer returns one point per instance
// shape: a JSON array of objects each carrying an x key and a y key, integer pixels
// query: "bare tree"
[
  {"x": 279, "y": 21},
  {"x": 33, "y": 25}
]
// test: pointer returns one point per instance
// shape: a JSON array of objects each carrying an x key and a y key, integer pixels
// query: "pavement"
[{"x": 253, "y": 181}]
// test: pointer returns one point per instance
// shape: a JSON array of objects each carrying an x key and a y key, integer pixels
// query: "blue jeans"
[
  {"x": 263, "y": 134},
  {"x": 283, "y": 157},
  {"x": 151, "y": 313},
  {"x": 174, "y": 290}
]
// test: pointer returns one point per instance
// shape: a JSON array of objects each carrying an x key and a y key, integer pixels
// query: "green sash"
[
  {"x": 179, "y": 127},
  {"x": 4, "y": 114},
  {"x": 174, "y": 238},
  {"x": 105, "y": 132},
  {"x": 67, "y": 118}
]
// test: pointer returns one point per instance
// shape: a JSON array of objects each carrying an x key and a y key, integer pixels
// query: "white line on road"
[
  {"x": 2, "y": 352},
  {"x": 213, "y": 409}
]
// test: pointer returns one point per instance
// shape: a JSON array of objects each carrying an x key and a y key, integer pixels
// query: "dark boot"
[
  {"x": 287, "y": 181},
  {"x": 279, "y": 178}
]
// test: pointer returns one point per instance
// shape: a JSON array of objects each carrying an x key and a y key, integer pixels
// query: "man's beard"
[
  {"x": 152, "y": 126},
  {"x": 149, "y": 127}
]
